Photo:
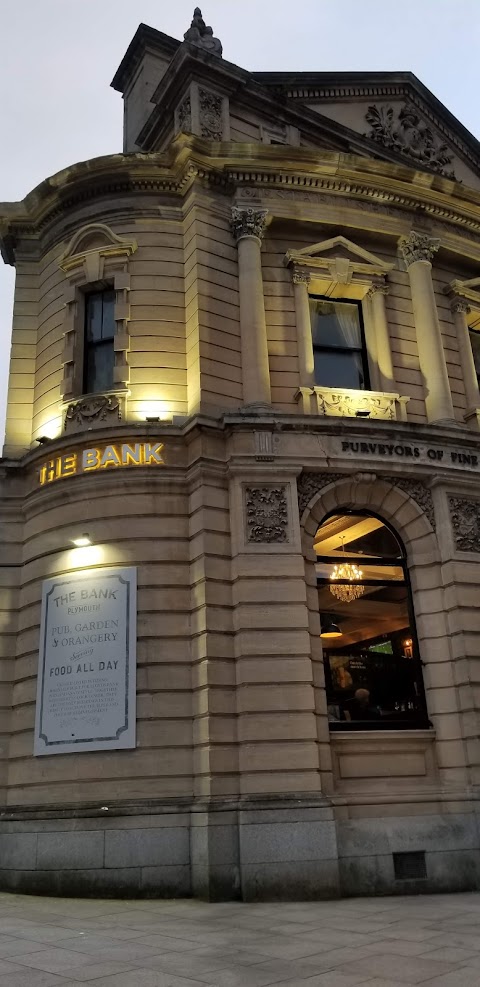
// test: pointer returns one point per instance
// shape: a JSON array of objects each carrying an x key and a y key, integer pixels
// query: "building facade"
[{"x": 244, "y": 368}]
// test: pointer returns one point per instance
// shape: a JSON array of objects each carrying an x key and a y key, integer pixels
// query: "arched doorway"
[{"x": 373, "y": 671}]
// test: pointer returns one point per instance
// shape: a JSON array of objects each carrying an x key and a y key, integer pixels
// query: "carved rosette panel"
[
  {"x": 406, "y": 133},
  {"x": 309, "y": 484},
  {"x": 211, "y": 115},
  {"x": 92, "y": 411},
  {"x": 184, "y": 116},
  {"x": 248, "y": 222},
  {"x": 465, "y": 518},
  {"x": 266, "y": 514},
  {"x": 419, "y": 493},
  {"x": 418, "y": 246}
]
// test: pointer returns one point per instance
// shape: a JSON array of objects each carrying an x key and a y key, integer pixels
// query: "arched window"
[{"x": 372, "y": 667}]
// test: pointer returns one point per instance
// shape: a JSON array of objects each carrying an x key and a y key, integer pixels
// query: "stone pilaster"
[
  {"x": 376, "y": 295},
  {"x": 460, "y": 310},
  {"x": 418, "y": 250},
  {"x": 301, "y": 281},
  {"x": 248, "y": 227}
]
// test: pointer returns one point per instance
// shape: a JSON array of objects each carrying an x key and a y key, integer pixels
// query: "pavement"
[{"x": 376, "y": 942}]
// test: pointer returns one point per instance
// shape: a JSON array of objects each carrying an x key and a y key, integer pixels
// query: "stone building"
[{"x": 245, "y": 362}]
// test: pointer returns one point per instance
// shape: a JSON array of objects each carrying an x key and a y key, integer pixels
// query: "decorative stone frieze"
[
  {"x": 248, "y": 222},
  {"x": 337, "y": 403},
  {"x": 465, "y": 518},
  {"x": 266, "y": 514},
  {"x": 211, "y": 115},
  {"x": 418, "y": 246},
  {"x": 419, "y": 493},
  {"x": 91, "y": 411},
  {"x": 309, "y": 484},
  {"x": 406, "y": 133}
]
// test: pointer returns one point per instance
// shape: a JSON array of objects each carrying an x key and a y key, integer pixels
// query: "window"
[
  {"x": 372, "y": 668},
  {"x": 338, "y": 344},
  {"x": 475, "y": 342},
  {"x": 99, "y": 355}
]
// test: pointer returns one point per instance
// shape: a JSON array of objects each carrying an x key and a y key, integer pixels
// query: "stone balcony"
[{"x": 343, "y": 403}]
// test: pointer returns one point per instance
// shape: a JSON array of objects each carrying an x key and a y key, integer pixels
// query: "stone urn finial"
[{"x": 201, "y": 35}]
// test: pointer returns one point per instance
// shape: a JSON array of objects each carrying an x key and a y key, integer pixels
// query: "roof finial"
[{"x": 201, "y": 35}]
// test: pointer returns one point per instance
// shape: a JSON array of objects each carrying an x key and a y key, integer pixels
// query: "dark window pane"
[
  {"x": 100, "y": 360},
  {"x": 335, "y": 324},
  {"x": 93, "y": 316},
  {"x": 108, "y": 313},
  {"x": 339, "y": 369}
]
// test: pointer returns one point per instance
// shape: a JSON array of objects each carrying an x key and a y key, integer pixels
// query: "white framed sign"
[{"x": 86, "y": 687}]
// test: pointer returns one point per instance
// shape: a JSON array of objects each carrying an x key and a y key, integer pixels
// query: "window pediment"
[
  {"x": 90, "y": 247},
  {"x": 338, "y": 260}
]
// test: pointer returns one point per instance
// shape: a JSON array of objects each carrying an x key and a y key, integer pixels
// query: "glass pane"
[
  {"x": 359, "y": 534},
  {"x": 108, "y": 313},
  {"x": 339, "y": 369},
  {"x": 335, "y": 324},
  {"x": 100, "y": 359},
  {"x": 93, "y": 316},
  {"x": 475, "y": 341}
]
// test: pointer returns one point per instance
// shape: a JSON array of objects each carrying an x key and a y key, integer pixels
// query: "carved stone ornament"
[
  {"x": 267, "y": 514},
  {"x": 93, "y": 409},
  {"x": 201, "y": 35},
  {"x": 377, "y": 288},
  {"x": 184, "y": 116},
  {"x": 419, "y": 493},
  {"x": 301, "y": 276},
  {"x": 465, "y": 517},
  {"x": 460, "y": 305},
  {"x": 309, "y": 484},
  {"x": 211, "y": 116},
  {"x": 418, "y": 246},
  {"x": 347, "y": 404},
  {"x": 406, "y": 133},
  {"x": 248, "y": 222}
]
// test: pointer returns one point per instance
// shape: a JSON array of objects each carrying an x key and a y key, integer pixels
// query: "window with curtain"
[
  {"x": 475, "y": 343},
  {"x": 339, "y": 350},
  {"x": 99, "y": 354}
]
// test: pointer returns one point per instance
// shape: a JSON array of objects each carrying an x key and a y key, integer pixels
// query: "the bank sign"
[
  {"x": 104, "y": 457},
  {"x": 86, "y": 689}
]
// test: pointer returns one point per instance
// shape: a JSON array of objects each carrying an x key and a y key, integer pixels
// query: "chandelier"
[{"x": 350, "y": 590}]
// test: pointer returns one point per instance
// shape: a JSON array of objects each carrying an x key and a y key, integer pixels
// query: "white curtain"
[{"x": 347, "y": 320}]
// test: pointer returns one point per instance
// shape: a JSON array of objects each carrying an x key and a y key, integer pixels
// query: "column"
[
  {"x": 460, "y": 310},
  {"x": 418, "y": 249},
  {"x": 248, "y": 226},
  {"x": 376, "y": 296},
  {"x": 301, "y": 281}
]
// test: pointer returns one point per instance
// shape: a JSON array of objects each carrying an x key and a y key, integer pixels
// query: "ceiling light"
[
  {"x": 349, "y": 588},
  {"x": 330, "y": 630},
  {"x": 82, "y": 541}
]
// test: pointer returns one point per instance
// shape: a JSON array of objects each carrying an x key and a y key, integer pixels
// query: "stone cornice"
[{"x": 268, "y": 173}]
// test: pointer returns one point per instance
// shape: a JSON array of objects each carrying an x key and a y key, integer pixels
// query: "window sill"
[{"x": 345, "y": 403}]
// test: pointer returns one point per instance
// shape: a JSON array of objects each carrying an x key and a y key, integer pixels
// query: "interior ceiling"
[{"x": 343, "y": 529}]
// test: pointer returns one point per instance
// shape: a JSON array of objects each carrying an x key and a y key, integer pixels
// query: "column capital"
[
  {"x": 247, "y": 221},
  {"x": 458, "y": 304},
  {"x": 418, "y": 246},
  {"x": 377, "y": 288},
  {"x": 301, "y": 276}
]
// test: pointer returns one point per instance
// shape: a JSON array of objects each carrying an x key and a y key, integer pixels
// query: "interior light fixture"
[
  {"x": 349, "y": 589},
  {"x": 42, "y": 440},
  {"x": 363, "y": 413},
  {"x": 82, "y": 541},
  {"x": 330, "y": 630}
]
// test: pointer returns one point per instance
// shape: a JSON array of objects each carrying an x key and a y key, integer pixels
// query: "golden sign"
[{"x": 101, "y": 458}]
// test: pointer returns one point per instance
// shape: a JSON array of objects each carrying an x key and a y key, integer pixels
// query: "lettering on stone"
[
  {"x": 266, "y": 514},
  {"x": 86, "y": 688},
  {"x": 465, "y": 518}
]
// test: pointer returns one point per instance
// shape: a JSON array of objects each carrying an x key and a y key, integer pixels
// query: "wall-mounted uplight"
[
  {"x": 82, "y": 541},
  {"x": 362, "y": 414},
  {"x": 42, "y": 440},
  {"x": 152, "y": 418}
]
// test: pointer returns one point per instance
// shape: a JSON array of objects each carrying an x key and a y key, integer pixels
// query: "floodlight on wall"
[
  {"x": 42, "y": 440},
  {"x": 82, "y": 541},
  {"x": 363, "y": 413},
  {"x": 152, "y": 418}
]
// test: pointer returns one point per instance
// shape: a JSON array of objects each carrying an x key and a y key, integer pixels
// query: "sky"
[{"x": 59, "y": 57}]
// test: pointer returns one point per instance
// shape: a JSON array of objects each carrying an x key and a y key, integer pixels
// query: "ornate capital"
[
  {"x": 247, "y": 221},
  {"x": 266, "y": 514},
  {"x": 418, "y": 246},
  {"x": 301, "y": 276},
  {"x": 377, "y": 288},
  {"x": 460, "y": 305}
]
